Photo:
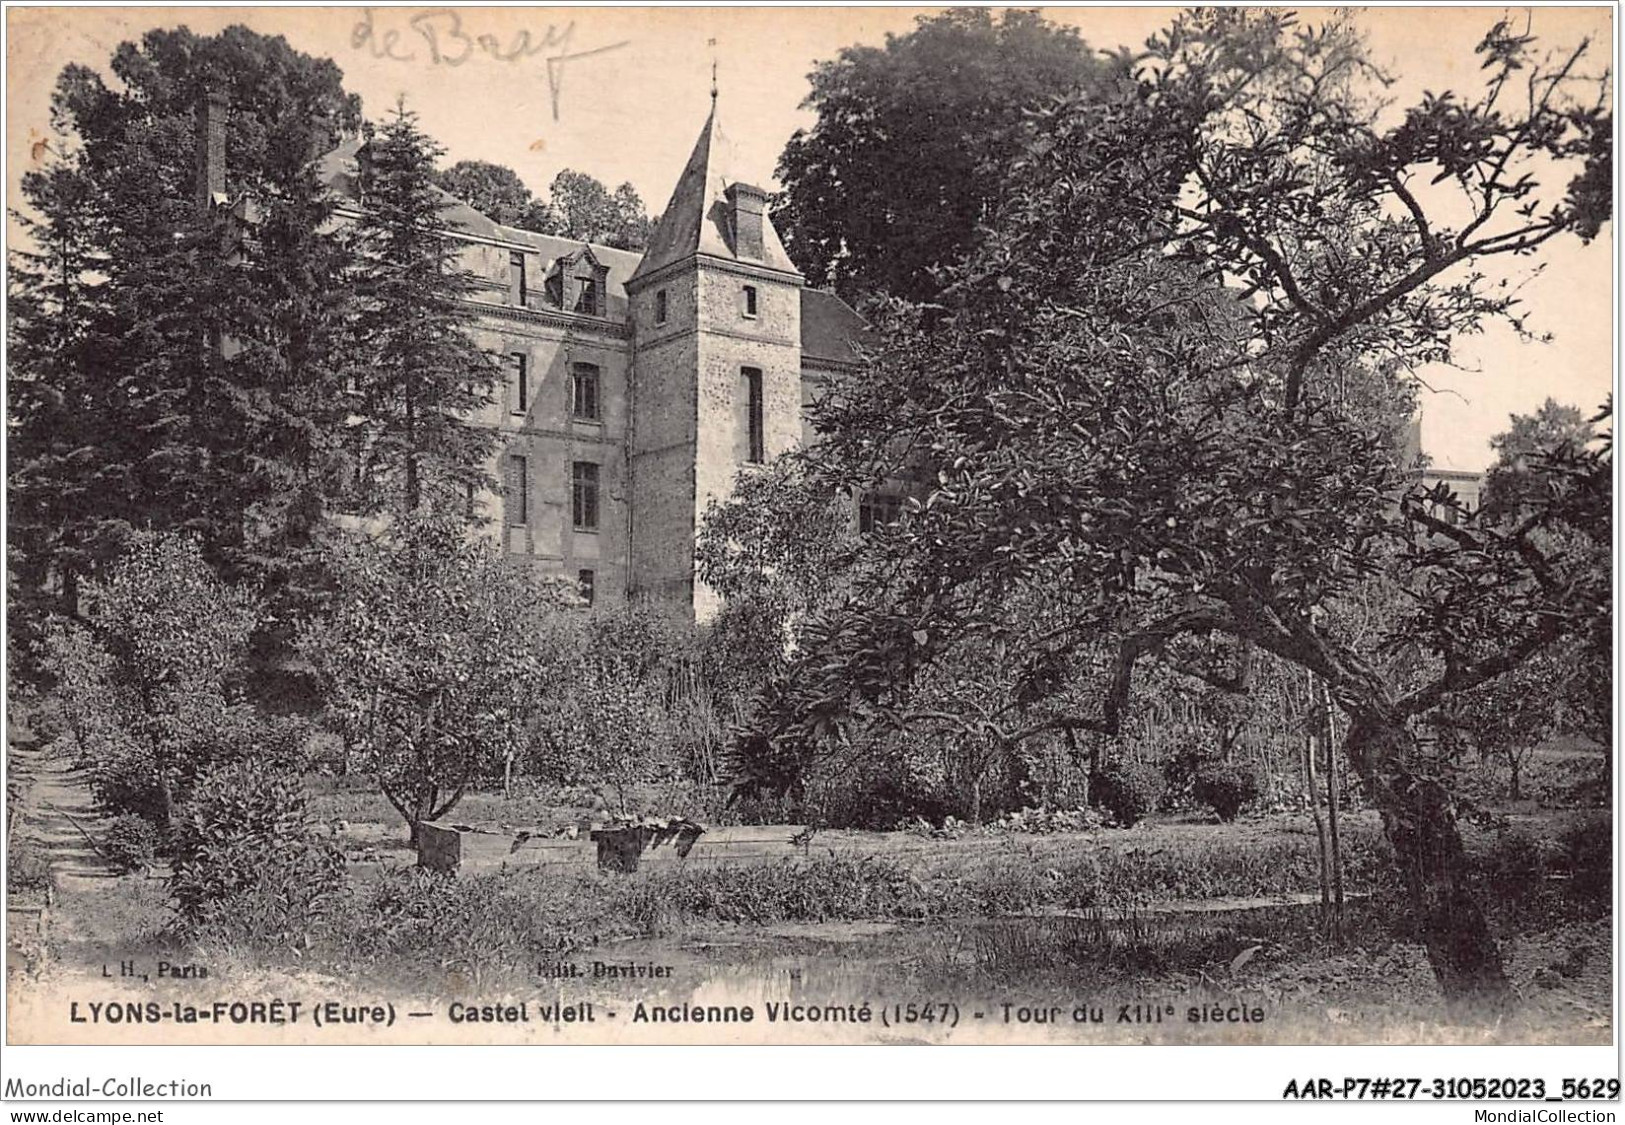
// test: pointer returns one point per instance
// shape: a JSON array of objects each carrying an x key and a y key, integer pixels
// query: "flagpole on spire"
[{"x": 712, "y": 43}]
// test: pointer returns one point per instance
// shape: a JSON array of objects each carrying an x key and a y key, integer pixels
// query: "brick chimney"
[
  {"x": 747, "y": 204},
  {"x": 211, "y": 148}
]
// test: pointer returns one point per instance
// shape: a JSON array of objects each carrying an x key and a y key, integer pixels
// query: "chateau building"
[
  {"x": 638, "y": 386},
  {"x": 1467, "y": 484}
]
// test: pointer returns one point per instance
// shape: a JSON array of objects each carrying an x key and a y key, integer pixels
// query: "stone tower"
[{"x": 715, "y": 308}]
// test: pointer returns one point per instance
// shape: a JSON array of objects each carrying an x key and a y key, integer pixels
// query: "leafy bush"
[
  {"x": 122, "y": 773},
  {"x": 26, "y": 866},
  {"x": 1588, "y": 853},
  {"x": 478, "y": 920},
  {"x": 145, "y": 691},
  {"x": 207, "y": 732},
  {"x": 486, "y": 922},
  {"x": 1226, "y": 787},
  {"x": 876, "y": 787},
  {"x": 836, "y": 888},
  {"x": 1045, "y": 821},
  {"x": 1515, "y": 866},
  {"x": 246, "y": 862},
  {"x": 1570, "y": 780},
  {"x": 173, "y": 634},
  {"x": 130, "y": 841},
  {"x": 1179, "y": 772},
  {"x": 125, "y": 780},
  {"x": 1127, "y": 790},
  {"x": 870, "y": 801}
]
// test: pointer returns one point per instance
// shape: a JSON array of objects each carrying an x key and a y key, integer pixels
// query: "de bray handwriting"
[{"x": 438, "y": 36}]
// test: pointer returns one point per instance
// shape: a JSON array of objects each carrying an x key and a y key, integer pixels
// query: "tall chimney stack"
[
  {"x": 211, "y": 148},
  {"x": 748, "y": 204}
]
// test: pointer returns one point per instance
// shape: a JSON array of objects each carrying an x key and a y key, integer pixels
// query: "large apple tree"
[{"x": 1163, "y": 399}]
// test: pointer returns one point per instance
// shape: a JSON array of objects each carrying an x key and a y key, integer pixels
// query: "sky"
[{"x": 628, "y": 100}]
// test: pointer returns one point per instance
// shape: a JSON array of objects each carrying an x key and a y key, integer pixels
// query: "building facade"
[
  {"x": 1468, "y": 487},
  {"x": 637, "y": 386},
  {"x": 1466, "y": 484}
]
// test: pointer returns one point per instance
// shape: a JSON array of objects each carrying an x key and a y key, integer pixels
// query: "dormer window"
[
  {"x": 587, "y": 296},
  {"x": 579, "y": 283},
  {"x": 750, "y": 302}
]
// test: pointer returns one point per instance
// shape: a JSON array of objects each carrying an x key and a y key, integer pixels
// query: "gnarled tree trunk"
[{"x": 1420, "y": 824}]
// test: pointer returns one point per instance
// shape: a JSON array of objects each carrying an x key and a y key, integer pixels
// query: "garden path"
[{"x": 59, "y": 815}]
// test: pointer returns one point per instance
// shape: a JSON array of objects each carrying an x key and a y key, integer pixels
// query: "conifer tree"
[
  {"x": 179, "y": 363},
  {"x": 421, "y": 376},
  {"x": 57, "y": 444}
]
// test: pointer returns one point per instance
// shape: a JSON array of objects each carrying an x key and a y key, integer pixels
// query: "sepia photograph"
[{"x": 815, "y": 526}]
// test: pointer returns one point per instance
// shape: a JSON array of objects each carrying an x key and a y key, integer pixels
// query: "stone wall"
[
  {"x": 674, "y": 428},
  {"x": 551, "y": 439},
  {"x": 662, "y": 442},
  {"x": 729, "y": 342}
]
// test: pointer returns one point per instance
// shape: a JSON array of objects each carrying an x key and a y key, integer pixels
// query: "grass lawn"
[{"x": 1179, "y": 907}]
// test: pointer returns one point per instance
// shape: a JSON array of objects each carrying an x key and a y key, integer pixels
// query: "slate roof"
[
  {"x": 829, "y": 327},
  {"x": 693, "y": 222},
  {"x": 337, "y": 170},
  {"x": 696, "y": 218}
]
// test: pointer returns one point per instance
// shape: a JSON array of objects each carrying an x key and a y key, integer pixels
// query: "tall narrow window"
[
  {"x": 586, "y": 580},
  {"x": 750, "y": 301},
  {"x": 584, "y": 495},
  {"x": 660, "y": 306},
  {"x": 757, "y": 451},
  {"x": 518, "y": 383},
  {"x": 516, "y": 278},
  {"x": 584, "y": 392},
  {"x": 516, "y": 491}
]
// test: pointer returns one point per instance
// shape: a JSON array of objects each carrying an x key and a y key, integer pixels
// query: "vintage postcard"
[{"x": 810, "y": 526}]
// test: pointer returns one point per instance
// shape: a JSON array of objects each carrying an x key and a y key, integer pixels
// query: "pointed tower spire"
[{"x": 701, "y": 216}]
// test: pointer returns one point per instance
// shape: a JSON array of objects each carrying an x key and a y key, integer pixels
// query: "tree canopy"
[
  {"x": 585, "y": 209},
  {"x": 495, "y": 191},
  {"x": 912, "y": 144},
  {"x": 1514, "y": 482},
  {"x": 1154, "y": 415},
  {"x": 415, "y": 444},
  {"x": 578, "y": 207},
  {"x": 433, "y": 654},
  {"x": 170, "y": 370}
]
